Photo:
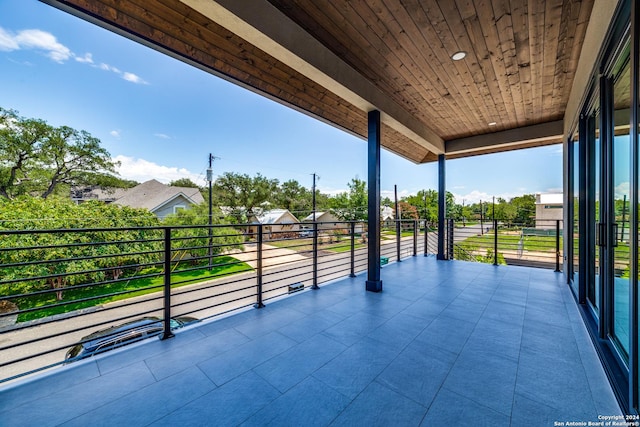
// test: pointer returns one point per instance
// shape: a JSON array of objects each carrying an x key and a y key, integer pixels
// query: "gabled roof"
[
  {"x": 153, "y": 195},
  {"x": 386, "y": 213},
  {"x": 274, "y": 217},
  {"x": 95, "y": 192},
  {"x": 318, "y": 215}
]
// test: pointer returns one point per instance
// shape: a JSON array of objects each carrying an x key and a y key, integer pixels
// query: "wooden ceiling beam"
[
  {"x": 265, "y": 27},
  {"x": 535, "y": 135}
]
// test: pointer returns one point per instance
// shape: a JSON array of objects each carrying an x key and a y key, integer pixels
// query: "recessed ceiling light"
[
  {"x": 459, "y": 55},
  {"x": 492, "y": 124}
]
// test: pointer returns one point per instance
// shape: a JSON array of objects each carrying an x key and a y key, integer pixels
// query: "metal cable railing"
[{"x": 69, "y": 294}]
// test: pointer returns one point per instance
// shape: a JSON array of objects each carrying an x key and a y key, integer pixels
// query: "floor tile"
[
  {"x": 310, "y": 403},
  {"x": 451, "y": 409},
  {"x": 353, "y": 370},
  {"x": 298, "y": 362},
  {"x": 228, "y": 405},
  {"x": 380, "y": 406}
]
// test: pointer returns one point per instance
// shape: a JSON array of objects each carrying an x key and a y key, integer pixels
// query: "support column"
[
  {"x": 442, "y": 209},
  {"x": 374, "y": 284}
]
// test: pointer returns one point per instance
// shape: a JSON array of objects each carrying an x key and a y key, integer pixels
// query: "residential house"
[
  {"x": 326, "y": 221},
  {"x": 275, "y": 223},
  {"x": 159, "y": 198},
  {"x": 96, "y": 192},
  {"x": 387, "y": 216}
]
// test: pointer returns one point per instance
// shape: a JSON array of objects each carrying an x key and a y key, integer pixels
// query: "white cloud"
[
  {"x": 162, "y": 135},
  {"x": 622, "y": 190},
  {"x": 35, "y": 39},
  {"x": 41, "y": 40},
  {"x": 7, "y": 41},
  {"x": 86, "y": 59},
  {"x": 44, "y": 41},
  {"x": 143, "y": 170},
  {"x": 115, "y": 133},
  {"x": 130, "y": 77},
  {"x": 475, "y": 196}
]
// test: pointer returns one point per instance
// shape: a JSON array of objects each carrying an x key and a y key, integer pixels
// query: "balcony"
[{"x": 445, "y": 343}]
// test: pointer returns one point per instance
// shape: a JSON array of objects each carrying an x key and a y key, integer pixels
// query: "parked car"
[
  {"x": 306, "y": 232},
  {"x": 121, "y": 335}
]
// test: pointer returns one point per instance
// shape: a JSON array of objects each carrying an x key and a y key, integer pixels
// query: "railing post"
[
  {"x": 557, "y": 246},
  {"x": 426, "y": 238},
  {"x": 450, "y": 238},
  {"x": 315, "y": 256},
  {"x": 353, "y": 250},
  {"x": 415, "y": 237},
  {"x": 398, "y": 236},
  {"x": 259, "y": 303},
  {"x": 495, "y": 242},
  {"x": 166, "y": 325}
]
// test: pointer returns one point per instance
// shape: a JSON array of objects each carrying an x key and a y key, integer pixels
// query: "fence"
[
  {"x": 508, "y": 243},
  {"x": 70, "y": 294}
]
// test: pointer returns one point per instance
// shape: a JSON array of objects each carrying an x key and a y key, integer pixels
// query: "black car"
[{"x": 121, "y": 335}]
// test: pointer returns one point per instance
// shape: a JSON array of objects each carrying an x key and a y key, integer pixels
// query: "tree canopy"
[
  {"x": 243, "y": 194},
  {"x": 351, "y": 205},
  {"x": 183, "y": 182},
  {"x": 36, "y": 158}
]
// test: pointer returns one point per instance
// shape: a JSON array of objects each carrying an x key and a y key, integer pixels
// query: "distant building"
[
  {"x": 326, "y": 220},
  {"x": 275, "y": 223},
  {"x": 548, "y": 210},
  {"x": 387, "y": 216},
  {"x": 158, "y": 198},
  {"x": 96, "y": 192}
]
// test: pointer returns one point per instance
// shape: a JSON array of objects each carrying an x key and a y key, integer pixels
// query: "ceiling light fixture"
[
  {"x": 459, "y": 55},
  {"x": 492, "y": 124}
]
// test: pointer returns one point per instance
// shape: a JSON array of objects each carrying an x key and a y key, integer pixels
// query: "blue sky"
[{"x": 161, "y": 118}]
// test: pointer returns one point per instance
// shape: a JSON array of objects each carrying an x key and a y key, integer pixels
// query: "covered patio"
[{"x": 445, "y": 343}]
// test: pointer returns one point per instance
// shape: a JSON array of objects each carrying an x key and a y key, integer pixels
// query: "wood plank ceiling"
[{"x": 518, "y": 72}]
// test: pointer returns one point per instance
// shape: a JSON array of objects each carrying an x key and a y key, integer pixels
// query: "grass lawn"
[
  {"x": 511, "y": 241},
  {"x": 132, "y": 288}
]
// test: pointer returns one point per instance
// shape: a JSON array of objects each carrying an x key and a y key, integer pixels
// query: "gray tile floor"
[{"x": 445, "y": 343}]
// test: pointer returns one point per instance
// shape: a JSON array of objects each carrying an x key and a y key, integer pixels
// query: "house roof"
[
  {"x": 318, "y": 215},
  {"x": 95, "y": 192},
  {"x": 386, "y": 212},
  {"x": 153, "y": 194},
  {"x": 274, "y": 217}
]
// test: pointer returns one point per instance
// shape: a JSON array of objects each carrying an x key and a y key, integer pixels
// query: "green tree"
[
  {"x": 183, "y": 182},
  {"x": 57, "y": 260},
  {"x": 244, "y": 194},
  {"x": 294, "y": 197},
  {"x": 426, "y": 204},
  {"x": 37, "y": 158},
  {"x": 351, "y": 205},
  {"x": 525, "y": 207},
  {"x": 193, "y": 242}
]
